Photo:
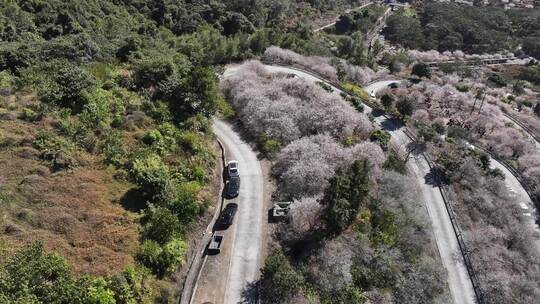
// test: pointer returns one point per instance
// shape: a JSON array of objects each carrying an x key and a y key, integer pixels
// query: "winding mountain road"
[{"x": 458, "y": 279}]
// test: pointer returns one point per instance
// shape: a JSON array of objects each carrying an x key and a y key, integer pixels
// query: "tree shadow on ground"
[
  {"x": 250, "y": 294},
  {"x": 377, "y": 112},
  {"x": 134, "y": 200},
  {"x": 390, "y": 124},
  {"x": 432, "y": 178}
]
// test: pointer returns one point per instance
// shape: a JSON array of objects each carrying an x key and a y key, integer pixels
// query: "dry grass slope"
[{"x": 75, "y": 212}]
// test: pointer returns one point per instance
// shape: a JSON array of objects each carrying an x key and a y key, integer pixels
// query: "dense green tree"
[
  {"x": 387, "y": 100},
  {"x": 531, "y": 73},
  {"x": 450, "y": 26},
  {"x": 421, "y": 70},
  {"x": 198, "y": 95},
  {"x": 347, "y": 191},
  {"x": 405, "y": 30},
  {"x": 33, "y": 276},
  {"x": 405, "y": 105},
  {"x": 531, "y": 45}
]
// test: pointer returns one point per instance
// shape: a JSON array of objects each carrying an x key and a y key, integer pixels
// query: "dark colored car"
[
  {"x": 393, "y": 85},
  {"x": 233, "y": 187},
  {"x": 227, "y": 216}
]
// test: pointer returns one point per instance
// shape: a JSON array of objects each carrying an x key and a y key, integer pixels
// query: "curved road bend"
[
  {"x": 247, "y": 234},
  {"x": 517, "y": 192},
  {"x": 458, "y": 279}
]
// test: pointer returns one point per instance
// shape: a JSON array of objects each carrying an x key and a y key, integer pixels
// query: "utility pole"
[
  {"x": 482, "y": 104},
  {"x": 474, "y": 104},
  {"x": 478, "y": 94}
]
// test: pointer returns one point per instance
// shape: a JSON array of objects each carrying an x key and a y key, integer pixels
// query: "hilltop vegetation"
[{"x": 450, "y": 27}]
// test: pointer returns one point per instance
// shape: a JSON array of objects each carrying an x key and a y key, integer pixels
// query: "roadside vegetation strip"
[
  {"x": 349, "y": 88},
  {"x": 197, "y": 264}
]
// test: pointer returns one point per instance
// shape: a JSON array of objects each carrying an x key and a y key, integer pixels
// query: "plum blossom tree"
[
  {"x": 305, "y": 215},
  {"x": 286, "y": 109},
  {"x": 318, "y": 64},
  {"x": 304, "y": 166},
  {"x": 333, "y": 264}
]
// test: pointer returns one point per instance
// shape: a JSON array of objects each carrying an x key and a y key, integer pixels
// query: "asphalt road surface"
[
  {"x": 458, "y": 279},
  {"x": 247, "y": 233}
]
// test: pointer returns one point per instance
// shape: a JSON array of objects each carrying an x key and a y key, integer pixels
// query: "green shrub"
[
  {"x": 421, "y": 70},
  {"x": 497, "y": 79},
  {"x": 278, "y": 275},
  {"x": 96, "y": 112},
  {"x": 131, "y": 286},
  {"x": 462, "y": 88},
  {"x": 271, "y": 146},
  {"x": 164, "y": 259},
  {"x": 51, "y": 145},
  {"x": 30, "y": 115},
  {"x": 99, "y": 293},
  {"x": 112, "y": 148},
  {"x": 531, "y": 73},
  {"x": 405, "y": 106},
  {"x": 153, "y": 176},
  {"x": 152, "y": 70},
  {"x": 225, "y": 109},
  {"x": 527, "y": 103},
  {"x": 7, "y": 82},
  {"x": 387, "y": 101},
  {"x": 393, "y": 162},
  {"x": 185, "y": 206},
  {"x": 381, "y": 137},
  {"x": 66, "y": 85},
  {"x": 160, "y": 225}
]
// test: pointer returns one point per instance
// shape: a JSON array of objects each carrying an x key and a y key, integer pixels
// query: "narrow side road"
[
  {"x": 247, "y": 233},
  {"x": 337, "y": 18},
  {"x": 458, "y": 279}
]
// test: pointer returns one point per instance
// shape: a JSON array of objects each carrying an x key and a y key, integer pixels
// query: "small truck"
[{"x": 215, "y": 242}]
